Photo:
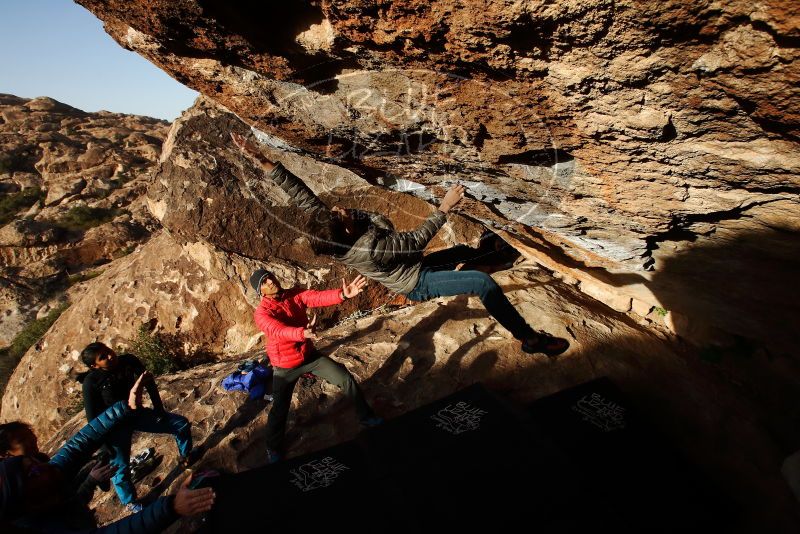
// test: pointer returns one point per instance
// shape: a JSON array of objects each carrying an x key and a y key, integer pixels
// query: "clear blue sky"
[{"x": 58, "y": 49}]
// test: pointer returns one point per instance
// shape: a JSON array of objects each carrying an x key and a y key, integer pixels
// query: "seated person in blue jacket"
[
  {"x": 36, "y": 495},
  {"x": 18, "y": 439},
  {"x": 108, "y": 380}
]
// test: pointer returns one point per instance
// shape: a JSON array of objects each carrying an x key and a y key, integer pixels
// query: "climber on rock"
[
  {"x": 368, "y": 243},
  {"x": 288, "y": 336},
  {"x": 108, "y": 380}
]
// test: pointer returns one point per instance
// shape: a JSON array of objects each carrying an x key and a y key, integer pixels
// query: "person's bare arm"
[
  {"x": 135, "y": 394},
  {"x": 149, "y": 383},
  {"x": 451, "y": 198},
  {"x": 310, "y": 331},
  {"x": 192, "y": 501}
]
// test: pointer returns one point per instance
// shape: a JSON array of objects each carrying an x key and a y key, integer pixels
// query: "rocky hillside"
[
  {"x": 69, "y": 185},
  {"x": 642, "y": 156}
]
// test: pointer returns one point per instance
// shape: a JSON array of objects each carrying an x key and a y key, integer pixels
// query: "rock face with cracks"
[
  {"x": 615, "y": 134},
  {"x": 644, "y": 153}
]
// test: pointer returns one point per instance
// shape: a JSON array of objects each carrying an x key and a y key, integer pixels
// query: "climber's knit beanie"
[{"x": 256, "y": 278}]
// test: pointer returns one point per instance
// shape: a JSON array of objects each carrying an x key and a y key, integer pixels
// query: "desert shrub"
[
  {"x": 83, "y": 217},
  {"x": 13, "y": 203},
  {"x": 122, "y": 252},
  {"x": 153, "y": 351},
  {"x": 75, "y": 407},
  {"x": 77, "y": 278},
  {"x": 20, "y": 160}
]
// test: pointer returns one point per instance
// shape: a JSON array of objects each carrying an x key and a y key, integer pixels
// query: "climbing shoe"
[
  {"x": 545, "y": 343},
  {"x": 143, "y": 464},
  {"x": 143, "y": 456}
]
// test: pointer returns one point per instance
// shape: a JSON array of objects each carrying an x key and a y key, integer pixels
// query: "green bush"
[
  {"x": 122, "y": 252},
  {"x": 28, "y": 337},
  {"x": 20, "y": 160},
  {"x": 83, "y": 217},
  {"x": 13, "y": 203},
  {"x": 82, "y": 277},
  {"x": 153, "y": 352}
]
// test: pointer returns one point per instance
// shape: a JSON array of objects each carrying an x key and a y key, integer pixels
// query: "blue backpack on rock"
[{"x": 252, "y": 377}]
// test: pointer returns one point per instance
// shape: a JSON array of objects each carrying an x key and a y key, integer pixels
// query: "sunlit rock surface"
[
  {"x": 645, "y": 154},
  {"x": 616, "y": 133},
  {"x": 75, "y": 160}
]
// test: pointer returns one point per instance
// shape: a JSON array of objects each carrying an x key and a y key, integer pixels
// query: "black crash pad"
[
  {"x": 466, "y": 462},
  {"x": 579, "y": 461},
  {"x": 297, "y": 495},
  {"x": 638, "y": 482}
]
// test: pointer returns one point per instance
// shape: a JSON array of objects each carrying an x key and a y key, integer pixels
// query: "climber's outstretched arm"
[
  {"x": 399, "y": 246},
  {"x": 302, "y": 196}
]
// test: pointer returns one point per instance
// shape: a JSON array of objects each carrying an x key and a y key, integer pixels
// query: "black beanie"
[{"x": 256, "y": 278}]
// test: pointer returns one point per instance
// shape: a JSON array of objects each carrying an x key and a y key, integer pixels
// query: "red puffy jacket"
[{"x": 283, "y": 319}]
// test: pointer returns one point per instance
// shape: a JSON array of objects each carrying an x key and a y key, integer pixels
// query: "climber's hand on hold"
[{"x": 451, "y": 198}]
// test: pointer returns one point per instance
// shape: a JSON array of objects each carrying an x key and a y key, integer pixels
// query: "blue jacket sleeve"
[
  {"x": 152, "y": 520},
  {"x": 79, "y": 448}
]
